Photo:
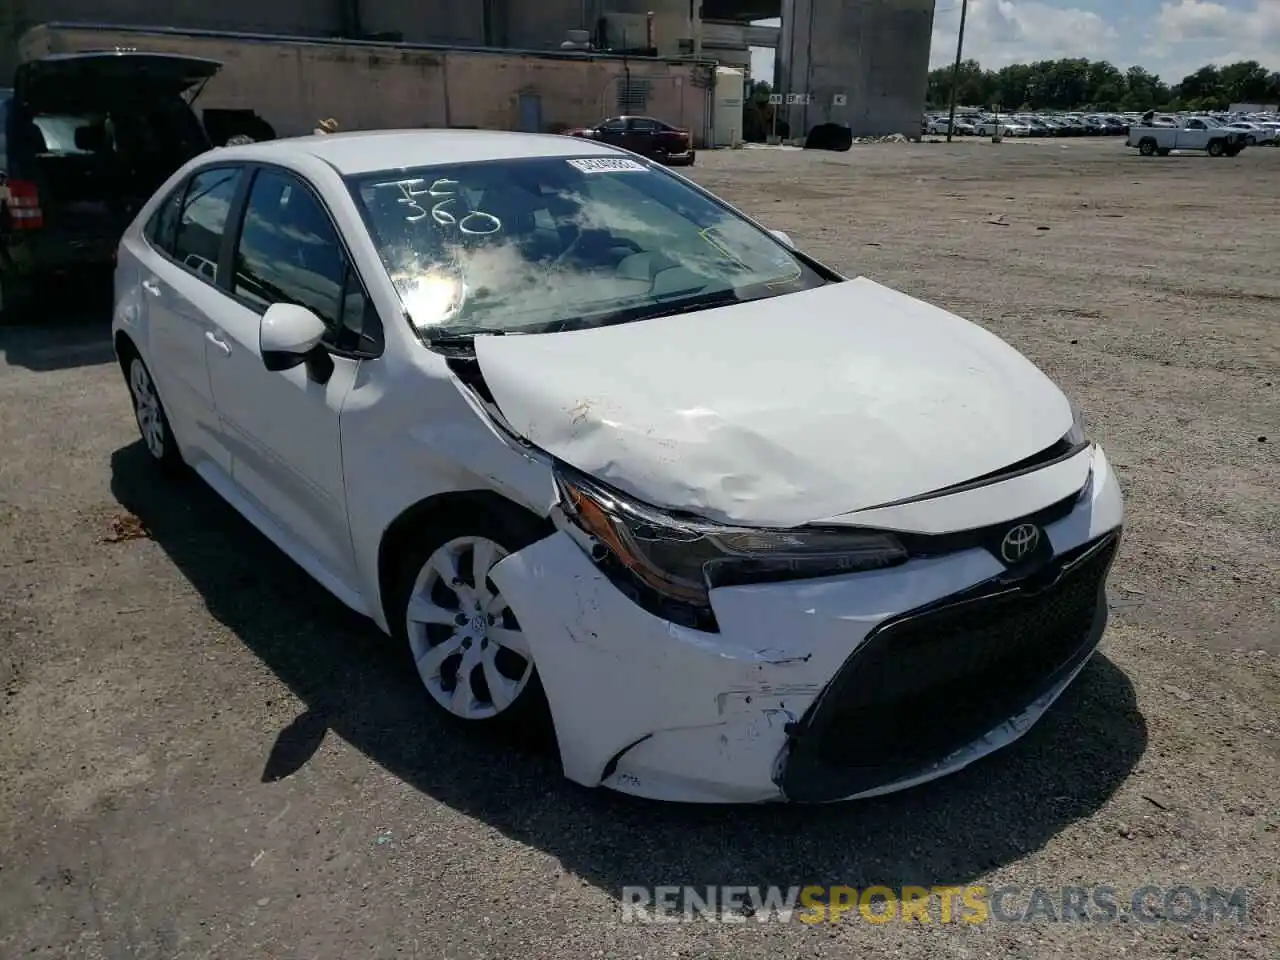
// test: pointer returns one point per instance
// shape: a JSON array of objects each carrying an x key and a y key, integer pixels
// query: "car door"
[
  {"x": 613, "y": 132},
  {"x": 282, "y": 427},
  {"x": 177, "y": 274},
  {"x": 1193, "y": 136},
  {"x": 642, "y": 135}
]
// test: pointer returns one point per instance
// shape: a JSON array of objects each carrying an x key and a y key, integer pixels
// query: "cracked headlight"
[{"x": 682, "y": 558}]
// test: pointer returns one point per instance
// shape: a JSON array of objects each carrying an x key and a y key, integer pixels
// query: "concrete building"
[
  {"x": 860, "y": 62},
  {"x": 863, "y": 63},
  {"x": 291, "y": 83}
]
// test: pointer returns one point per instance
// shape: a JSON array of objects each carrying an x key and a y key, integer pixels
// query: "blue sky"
[{"x": 1170, "y": 37}]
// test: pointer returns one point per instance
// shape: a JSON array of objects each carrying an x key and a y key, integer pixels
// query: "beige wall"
[{"x": 367, "y": 86}]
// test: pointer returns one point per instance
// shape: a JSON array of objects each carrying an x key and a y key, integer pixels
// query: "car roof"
[{"x": 368, "y": 151}]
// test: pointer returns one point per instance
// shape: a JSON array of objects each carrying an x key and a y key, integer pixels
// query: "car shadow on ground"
[
  {"x": 361, "y": 689},
  {"x": 71, "y": 328}
]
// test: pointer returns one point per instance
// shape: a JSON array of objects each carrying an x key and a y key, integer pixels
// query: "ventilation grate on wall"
[{"x": 633, "y": 95}]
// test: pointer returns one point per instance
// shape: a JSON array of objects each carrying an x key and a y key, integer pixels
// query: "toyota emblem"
[{"x": 1019, "y": 543}]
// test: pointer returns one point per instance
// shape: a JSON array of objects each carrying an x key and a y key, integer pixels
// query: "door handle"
[
  {"x": 151, "y": 287},
  {"x": 220, "y": 344}
]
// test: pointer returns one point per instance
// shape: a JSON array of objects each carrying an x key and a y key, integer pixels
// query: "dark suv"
[{"x": 85, "y": 139}]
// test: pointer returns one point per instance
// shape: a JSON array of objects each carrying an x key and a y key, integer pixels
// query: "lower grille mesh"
[{"x": 929, "y": 684}]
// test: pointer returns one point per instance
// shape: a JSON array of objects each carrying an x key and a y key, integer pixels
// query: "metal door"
[{"x": 530, "y": 113}]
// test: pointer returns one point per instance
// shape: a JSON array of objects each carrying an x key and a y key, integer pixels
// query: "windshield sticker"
[{"x": 608, "y": 165}]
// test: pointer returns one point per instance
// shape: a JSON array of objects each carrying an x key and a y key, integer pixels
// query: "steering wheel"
[{"x": 601, "y": 240}]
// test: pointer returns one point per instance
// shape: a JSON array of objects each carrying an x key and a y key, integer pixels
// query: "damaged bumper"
[{"x": 813, "y": 690}]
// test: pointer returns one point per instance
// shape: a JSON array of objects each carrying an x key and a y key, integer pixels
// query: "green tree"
[
  {"x": 1079, "y": 83},
  {"x": 1245, "y": 82}
]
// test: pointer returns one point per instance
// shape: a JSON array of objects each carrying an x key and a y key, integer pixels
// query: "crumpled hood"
[{"x": 780, "y": 411}]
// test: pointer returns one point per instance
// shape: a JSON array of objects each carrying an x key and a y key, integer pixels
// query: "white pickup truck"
[{"x": 1194, "y": 133}]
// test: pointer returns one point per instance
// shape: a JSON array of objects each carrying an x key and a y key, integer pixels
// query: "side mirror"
[
  {"x": 289, "y": 335},
  {"x": 778, "y": 234}
]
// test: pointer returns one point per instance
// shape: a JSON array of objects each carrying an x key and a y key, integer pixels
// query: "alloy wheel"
[
  {"x": 466, "y": 642},
  {"x": 146, "y": 408}
]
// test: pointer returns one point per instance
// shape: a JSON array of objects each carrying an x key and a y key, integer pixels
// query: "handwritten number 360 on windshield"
[{"x": 475, "y": 223}]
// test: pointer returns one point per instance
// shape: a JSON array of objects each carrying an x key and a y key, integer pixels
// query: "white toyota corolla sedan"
[{"x": 593, "y": 446}]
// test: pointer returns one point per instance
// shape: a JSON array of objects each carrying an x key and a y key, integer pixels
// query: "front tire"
[
  {"x": 466, "y": 641},
  {"x": 1217, "y": 148},
  {"x": 153, "y": 422}
]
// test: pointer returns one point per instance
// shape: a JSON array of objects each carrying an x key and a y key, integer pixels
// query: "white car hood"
[{"x": 781, "y": 411}]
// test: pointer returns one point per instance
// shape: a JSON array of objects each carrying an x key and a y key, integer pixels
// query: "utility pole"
[{"x": 955, "y": 73}]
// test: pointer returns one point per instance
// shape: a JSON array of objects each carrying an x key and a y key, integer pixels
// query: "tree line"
[{"x": 1075, "y": 84}]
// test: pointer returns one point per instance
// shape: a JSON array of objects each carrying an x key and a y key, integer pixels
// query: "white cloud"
[
  {"x": 1191, "y": 33},
  {"x": 1000, "y": 32}
]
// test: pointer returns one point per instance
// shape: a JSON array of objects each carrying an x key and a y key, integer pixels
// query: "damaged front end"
[{"x": 692, "y": 660}]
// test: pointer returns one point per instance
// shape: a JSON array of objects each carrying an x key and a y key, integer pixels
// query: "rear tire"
[
  {"x": 1147, "y": 147},
  {"x": 148, "y": 411}
]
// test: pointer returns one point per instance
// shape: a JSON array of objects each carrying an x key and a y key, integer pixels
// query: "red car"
[{"x": 644, "y": 135}]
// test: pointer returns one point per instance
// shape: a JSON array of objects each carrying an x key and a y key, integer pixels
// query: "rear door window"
[{"x": 202, "y": 220}]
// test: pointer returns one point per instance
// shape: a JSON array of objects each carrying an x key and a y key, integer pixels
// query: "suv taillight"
[{"x": 24, "y": 206}]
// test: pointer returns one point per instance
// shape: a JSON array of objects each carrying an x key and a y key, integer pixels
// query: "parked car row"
[
  {"x": 1255, "y": 129},
  {"x": 970, "y": 123}
]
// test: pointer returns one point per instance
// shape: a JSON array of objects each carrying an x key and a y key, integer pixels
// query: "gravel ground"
[{"x": 203, "y": 755}]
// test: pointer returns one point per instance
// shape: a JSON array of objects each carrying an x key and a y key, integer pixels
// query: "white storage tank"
[{"x": 726, "y": 107}]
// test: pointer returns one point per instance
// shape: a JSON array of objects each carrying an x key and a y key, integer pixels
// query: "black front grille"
[{"x": 928, "y": 683}]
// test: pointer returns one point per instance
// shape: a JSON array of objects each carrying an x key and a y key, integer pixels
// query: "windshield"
[{"x": 547, "y": 244}]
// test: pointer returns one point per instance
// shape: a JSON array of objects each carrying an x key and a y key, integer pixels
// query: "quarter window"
[
  {"x": 203, "y": 220},
  {"x": 289, "y": 252},
  {"x": 162, "y": 228}
]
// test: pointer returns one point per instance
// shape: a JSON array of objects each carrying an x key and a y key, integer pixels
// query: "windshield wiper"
[
  {"x": 657, "y": 308},
  {"x": 458, "y": 339}
]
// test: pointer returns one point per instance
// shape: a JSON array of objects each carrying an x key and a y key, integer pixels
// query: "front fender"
[{"x": 410, "y": 434}]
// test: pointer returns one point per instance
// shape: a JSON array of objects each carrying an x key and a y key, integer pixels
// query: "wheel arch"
[
  {"x": 414, "y": 517},
  {"x": 125, "y": 350}
]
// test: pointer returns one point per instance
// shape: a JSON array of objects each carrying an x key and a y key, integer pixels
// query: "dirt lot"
[{"x": 202, "y": 755}]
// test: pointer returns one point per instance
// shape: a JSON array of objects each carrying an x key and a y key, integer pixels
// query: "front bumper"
[{"x": 778, "y": 704}]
